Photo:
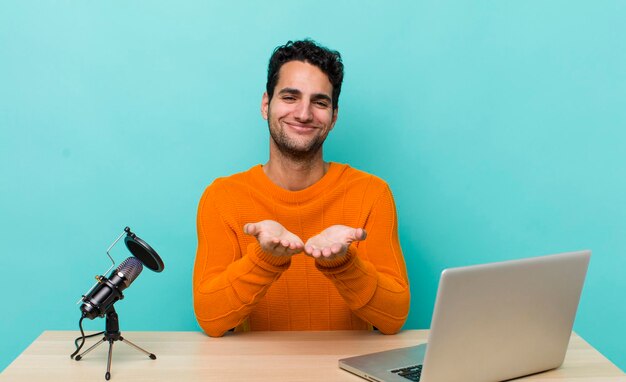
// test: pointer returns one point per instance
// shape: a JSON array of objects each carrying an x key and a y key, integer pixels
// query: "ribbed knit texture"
[{"x": 237, "y": 285}]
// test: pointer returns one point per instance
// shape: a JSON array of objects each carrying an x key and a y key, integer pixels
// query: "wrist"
[{"x": 268, "y": 260}]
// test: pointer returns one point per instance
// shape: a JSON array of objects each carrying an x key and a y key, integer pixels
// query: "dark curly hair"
[{"x": 329, "y": 62}]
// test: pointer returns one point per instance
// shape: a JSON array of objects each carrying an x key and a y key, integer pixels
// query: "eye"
[
  {"x": 323, "y": 104},
  {"x": 288, "y": 98}
]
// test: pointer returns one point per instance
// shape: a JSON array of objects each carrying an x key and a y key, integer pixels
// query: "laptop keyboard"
[{"x": 412, "y": 373}]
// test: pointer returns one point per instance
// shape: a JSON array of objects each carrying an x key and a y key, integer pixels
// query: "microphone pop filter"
[{"x": 144, "y": 252}]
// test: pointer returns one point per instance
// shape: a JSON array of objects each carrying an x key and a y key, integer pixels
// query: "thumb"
[
  {"x": 250, "y": 229},
  {"x": 359, "y": 234}
]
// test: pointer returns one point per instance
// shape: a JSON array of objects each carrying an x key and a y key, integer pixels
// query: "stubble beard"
[{"x": 296, "y": 151}]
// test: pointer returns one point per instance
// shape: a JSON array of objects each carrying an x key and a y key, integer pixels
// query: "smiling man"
[{"x": 299, "y": 243}]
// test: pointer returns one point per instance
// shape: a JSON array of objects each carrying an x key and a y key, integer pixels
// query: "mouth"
[{"x": 300, "y": 128}]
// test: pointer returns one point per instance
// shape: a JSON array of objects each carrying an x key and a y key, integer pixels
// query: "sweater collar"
[{"x": 258, "y": 177}]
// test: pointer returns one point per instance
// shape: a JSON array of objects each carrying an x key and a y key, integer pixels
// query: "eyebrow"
[{"x": 316, "y": 96}]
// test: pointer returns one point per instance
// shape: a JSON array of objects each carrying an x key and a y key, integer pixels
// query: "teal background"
[{"x": 499, "y": 126}]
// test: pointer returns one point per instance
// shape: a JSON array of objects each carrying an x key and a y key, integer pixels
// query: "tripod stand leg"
[
  {"x": 112, "y": 334},
  {"x": 80, "y": 356},
  {"x": 107, "y": 376},
  {"x": 152, "y": 356}
]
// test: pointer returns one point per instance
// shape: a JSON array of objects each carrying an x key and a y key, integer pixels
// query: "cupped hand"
[
  {"x": 274, "y": 238},
  {"x": 333, "y": 242}
]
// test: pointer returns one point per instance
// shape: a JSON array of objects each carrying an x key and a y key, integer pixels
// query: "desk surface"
[{"x": 261, "y": 356}]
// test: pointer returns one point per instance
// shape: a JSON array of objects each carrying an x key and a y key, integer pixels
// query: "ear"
[{"x": 265, "y": 105}]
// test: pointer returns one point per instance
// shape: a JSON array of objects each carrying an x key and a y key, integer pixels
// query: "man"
[{"x": 299, "y": 243}]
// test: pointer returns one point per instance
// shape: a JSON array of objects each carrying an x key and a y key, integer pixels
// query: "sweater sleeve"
[
  {"x": 228, "y": 282},
  {"x": 372, "y": 277}
]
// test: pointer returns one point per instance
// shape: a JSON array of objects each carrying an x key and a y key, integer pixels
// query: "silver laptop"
[{"x": 491, "y": 322}]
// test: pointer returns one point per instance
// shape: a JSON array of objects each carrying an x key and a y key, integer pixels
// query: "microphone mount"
[{"x": 111, "y": 335}]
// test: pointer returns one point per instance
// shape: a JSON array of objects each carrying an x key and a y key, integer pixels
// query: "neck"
[{"x": 295, "y": 175}]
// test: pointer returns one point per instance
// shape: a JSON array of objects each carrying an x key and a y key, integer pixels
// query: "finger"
[
  {"x": 288, "y": 245},
  {"x": 336, "y": 248},
  {"x": 316, "y": 253},
  {"x": 360, "y": 234},
  {"x": 250, "y": 229}
]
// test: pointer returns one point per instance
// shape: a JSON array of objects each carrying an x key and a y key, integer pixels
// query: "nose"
[{"x": 303, "y": 112}]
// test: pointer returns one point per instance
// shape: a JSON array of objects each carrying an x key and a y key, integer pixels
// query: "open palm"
[
  {"x": 333, "y": 242},
  {"x": 274, "y": 238}
]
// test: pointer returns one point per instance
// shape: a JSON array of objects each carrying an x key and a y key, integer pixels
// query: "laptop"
[{"x": 491, "y": 322}]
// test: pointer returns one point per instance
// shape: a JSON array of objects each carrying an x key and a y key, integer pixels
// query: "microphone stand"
[{"x": 111, "y": 335}]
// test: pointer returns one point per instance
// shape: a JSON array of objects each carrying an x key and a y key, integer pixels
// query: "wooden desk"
[{"x": 259, "y": 356}]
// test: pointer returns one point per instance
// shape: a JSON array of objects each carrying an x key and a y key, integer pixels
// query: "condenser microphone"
[
  {"x": 109, "y": 290},
  {"x": 99, "y": 300}
]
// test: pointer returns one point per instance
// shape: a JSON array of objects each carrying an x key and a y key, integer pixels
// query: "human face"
[{"x": 300, "y": 114}]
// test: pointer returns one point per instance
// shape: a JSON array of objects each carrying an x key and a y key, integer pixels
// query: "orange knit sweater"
[{"x": 237, "y": 285}]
